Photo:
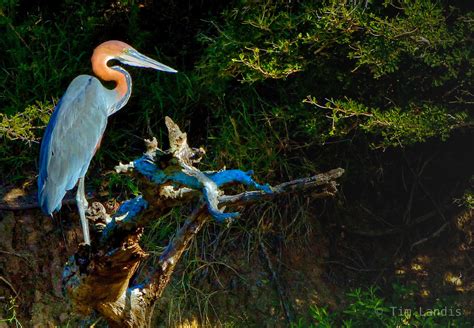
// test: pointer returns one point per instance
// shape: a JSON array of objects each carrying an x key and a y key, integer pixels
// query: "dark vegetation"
[{"x": 383, "y": 89}]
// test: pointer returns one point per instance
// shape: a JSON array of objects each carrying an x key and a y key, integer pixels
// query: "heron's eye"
[{"x": 113, "y": 62}]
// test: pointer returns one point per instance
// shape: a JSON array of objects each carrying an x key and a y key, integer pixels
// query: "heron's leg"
[{"x": 82, "y": 205}]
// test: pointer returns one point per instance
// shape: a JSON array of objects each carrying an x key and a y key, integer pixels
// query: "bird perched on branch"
[{"x": 78, "y": 122}]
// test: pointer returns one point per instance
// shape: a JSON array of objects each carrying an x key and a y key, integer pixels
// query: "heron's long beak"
[{"x": 134, "y": 58}]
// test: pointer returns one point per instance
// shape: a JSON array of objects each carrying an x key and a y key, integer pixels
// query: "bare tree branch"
[{"x": 100, "y": 278}]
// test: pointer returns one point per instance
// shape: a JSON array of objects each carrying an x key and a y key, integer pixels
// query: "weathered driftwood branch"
[{"x": 100, "y": 278}]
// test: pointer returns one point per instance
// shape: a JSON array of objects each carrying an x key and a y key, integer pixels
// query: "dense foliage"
[
  {"x": 400, "y": 73},
  {"x": 282, "y": 72}
]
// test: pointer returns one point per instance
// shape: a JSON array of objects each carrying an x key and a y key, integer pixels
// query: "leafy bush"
[
  {"x": 39, "y": 58},
  {"x": 400, "y": 73}
]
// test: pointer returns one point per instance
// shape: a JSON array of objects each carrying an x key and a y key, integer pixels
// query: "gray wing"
[{"x": 71, "y": 138}]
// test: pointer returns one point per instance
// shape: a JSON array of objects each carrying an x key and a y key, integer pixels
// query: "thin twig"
[
  {"x": 23, "y": 257},
  {"x": 394, "y": 230},
  {"x": 351, "y": 267},
  {"x": 286, "y": 305},
  {"x": 9, "y": 285},
  {"x": 433, "y": 235}
]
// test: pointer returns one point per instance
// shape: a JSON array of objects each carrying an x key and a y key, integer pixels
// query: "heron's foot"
[{"x": 83, "y": 257}]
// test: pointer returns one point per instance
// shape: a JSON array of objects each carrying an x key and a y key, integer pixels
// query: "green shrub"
[
  {"x": 365, "y": 308},
  {"x": 39, "y": 58},
  {"x": 399, "y": 73}
]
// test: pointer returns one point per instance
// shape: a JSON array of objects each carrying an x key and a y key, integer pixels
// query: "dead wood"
[{"x": 100, "y": 279}]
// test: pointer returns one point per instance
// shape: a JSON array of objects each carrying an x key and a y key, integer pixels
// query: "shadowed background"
[{"x": 287, "y": 89}]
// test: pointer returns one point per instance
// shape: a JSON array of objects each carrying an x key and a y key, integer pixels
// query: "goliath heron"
[{"x": 78, "y": 122}]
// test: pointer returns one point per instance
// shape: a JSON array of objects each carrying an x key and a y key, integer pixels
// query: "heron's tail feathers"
[{"x": 50, "y": 197}]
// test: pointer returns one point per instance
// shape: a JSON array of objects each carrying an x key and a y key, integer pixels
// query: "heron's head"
[{"x": 126, "y": 55}]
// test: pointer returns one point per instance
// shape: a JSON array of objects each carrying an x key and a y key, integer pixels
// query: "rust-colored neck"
[{"x": 99, "y": 66}]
